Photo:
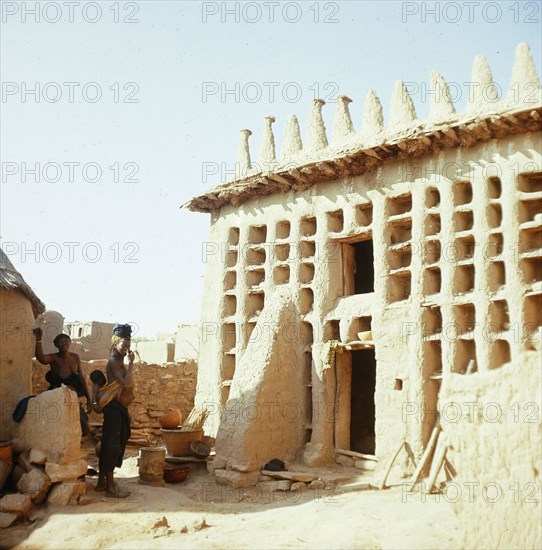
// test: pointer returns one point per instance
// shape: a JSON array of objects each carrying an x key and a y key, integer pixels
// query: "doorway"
[
  {"x": 358, "y": 267},
  {"x": 362, "y": 410}
]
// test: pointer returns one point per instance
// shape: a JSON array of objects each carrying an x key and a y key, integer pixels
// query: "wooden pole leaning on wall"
[
  {"x": 382, "y": 484},
  {"x": 426, "y": 454}
]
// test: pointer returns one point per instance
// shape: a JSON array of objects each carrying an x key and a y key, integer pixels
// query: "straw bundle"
[{"x": 195, "y": 420}]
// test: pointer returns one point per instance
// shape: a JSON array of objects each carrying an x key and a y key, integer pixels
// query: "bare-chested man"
[
  {"x": 116, "y": 425},
  {"x": 65, "y": 368}
]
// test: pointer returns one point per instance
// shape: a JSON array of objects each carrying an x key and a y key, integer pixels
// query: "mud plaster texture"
[
  {"x": 492, "y": 422},
  {"x": 15, "y": 354}
]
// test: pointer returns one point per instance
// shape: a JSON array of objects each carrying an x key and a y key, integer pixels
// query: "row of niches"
[
  {"x": 308, "y": 225},
  {"x": 464, "y": 360},
  {"x": 464, "y": 321},
  {"x": 256, "y": 276},
  {"x": 274, "y": 253},
  {"x": 399, "y": 252},
  {"x": 530, "y": 200},
  {"x": 349, "y": 330},
  {"x": 530, "y": 235}
]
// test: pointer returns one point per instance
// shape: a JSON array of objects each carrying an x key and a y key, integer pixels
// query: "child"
[{"x": 102, "y": 394}]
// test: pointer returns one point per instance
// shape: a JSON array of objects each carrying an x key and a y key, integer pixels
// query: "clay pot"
[
  {"x": 6, "y": 451},
  {"x": 171, "y": 419}
]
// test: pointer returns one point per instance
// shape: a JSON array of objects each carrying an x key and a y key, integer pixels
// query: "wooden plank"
[
  {"x": 292, "y": 476},
  {"x": 349, "y": 269},
  {"x": 354, "y": 454},
  {"x": 426, "y": 454}
]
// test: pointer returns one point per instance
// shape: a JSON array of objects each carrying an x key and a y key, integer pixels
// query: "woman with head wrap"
[{"x": 116, "y": 424}]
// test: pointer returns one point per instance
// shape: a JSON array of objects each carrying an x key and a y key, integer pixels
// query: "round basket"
[{"x": 200, "y": 449}]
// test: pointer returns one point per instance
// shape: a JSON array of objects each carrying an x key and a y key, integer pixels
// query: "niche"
[
  {"x": 465, "y": 318},
  {"x": 281, "y": 274},
  {"x": 230, "y": 305},
  {"x": 255, "y": 277},
  {"x": 331, "y": 330},
  {"x": 230, "y": 280},
  {"x": 335, "y": 221},
  {"x": 282, "y": 251},
  {"x": 463, "y": 220},
  {"x": 463, "y": 279},
  {"x": 228, "y": 336},
  {"x": 432, "y": 321},
  {"x": 494, "y": 215},
  {"x": 399, "y": 205},
  {"x": 255, "y": 303},
  {"x": 306, "y": 300},
  {"x": 530, "y": 182},
  {"x": 494, "y": 245},
  {"x": 257, "y": 234},
  {"x": 496, "y": 276},
  {"x": 432, "y": 197},
  {"x": 465, "y": 352},
  {"x": 308, "y": 226},
  {"x": 500, "y": 354},
  {"x": 432, "y": 251},
  {"x": 364, "y": 214},
  {"x": 494, "y": 187},
  {"x": 399, "y": 287},
  {"x": 432, "y": 224},
  {"x": 432, "y": 281},
  {"x": 306, "y": 273},
  {"x": 283, "y": 229},
  {"x": 498, "y": 315},
  {"x": 462, "y": 193},
  {"x": 233, "y": 236}
]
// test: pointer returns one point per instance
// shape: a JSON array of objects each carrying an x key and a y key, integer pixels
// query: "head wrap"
[{"x": 120, "y": 332}]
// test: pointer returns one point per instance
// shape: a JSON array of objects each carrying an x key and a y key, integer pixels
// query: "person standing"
[
  {"x": 65, "y": 369},
  {"x": 116, "y": 423}
]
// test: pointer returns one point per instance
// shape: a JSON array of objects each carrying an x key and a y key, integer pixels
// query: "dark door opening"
[
  {"x": 358, "y": 267},
  {"x": 363, "y": 414}
]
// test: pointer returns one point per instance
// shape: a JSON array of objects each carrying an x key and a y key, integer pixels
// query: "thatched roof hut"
[{"x": 11, "y": 279}]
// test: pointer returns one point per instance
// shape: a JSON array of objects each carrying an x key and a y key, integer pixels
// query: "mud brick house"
[{"x": 347, "y": 279}]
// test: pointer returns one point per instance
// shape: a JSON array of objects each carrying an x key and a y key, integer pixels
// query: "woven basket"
[{"x": 178, "y": 442}]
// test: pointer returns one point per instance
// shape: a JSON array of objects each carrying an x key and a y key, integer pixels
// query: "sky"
[{"x": 114, "y": 114}]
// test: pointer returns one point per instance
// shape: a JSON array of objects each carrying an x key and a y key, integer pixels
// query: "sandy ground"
[{"x": 201, "y": 514}]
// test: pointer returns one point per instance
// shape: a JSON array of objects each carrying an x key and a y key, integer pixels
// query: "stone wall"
[{"x": 157, "y": 388}]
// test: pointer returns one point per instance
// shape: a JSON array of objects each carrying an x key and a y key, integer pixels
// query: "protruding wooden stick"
[
  {"x": 438, "y": 460},
  {"x": 426, "y": 455},
  {"x": 388, "y": 469}
]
